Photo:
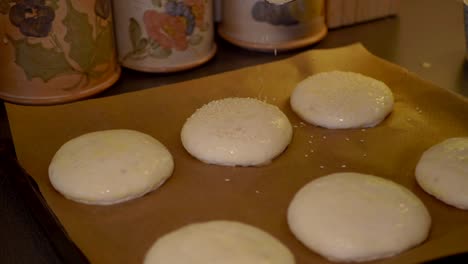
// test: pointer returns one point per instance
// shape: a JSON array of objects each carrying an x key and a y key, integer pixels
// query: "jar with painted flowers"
[
  {"x": 164, "y": 35},
  {"x": 56, "y": 51}
]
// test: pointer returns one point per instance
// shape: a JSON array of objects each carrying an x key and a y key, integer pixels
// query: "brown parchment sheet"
[{"x": 423, "y": 115}]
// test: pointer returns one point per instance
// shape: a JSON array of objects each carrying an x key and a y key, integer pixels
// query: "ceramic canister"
[
  {"x": 259, "y": 25},
  {"x": 164, "y": 35},
  {"x": 55, "y": 51},
  {"x": 465, "y": 16}
]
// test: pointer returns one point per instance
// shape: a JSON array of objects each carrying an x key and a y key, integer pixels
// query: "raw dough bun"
[
  {"x": 236, "y": 131},
  {"x": 340, "y": 100},
  {"x": 110, "y": 166},
  {"x": 220, "y": 242},
  {"x": 442, "y": 171},
  {"x": 357, "y": 217}
]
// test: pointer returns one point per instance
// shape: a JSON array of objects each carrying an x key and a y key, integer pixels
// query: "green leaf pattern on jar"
[
  {"x": 90, "y": 47},
  {"x": 40, "y": 62}
]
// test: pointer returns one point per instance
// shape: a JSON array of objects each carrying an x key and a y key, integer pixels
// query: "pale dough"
[
  {"x": 442, "y": 171},
  {"x": 236, "y": 132},
  {"x": 218, "y": 242},
  {"x": 357, "y": 217},
  {"x": 340, "y": 100},
  {"x": 110, "y": 166}
]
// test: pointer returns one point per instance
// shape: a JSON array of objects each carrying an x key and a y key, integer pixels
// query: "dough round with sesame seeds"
[
  {"x": 352, "y": 217},
  {"x": 110, "y": 166},
  {"x": 442, "y": 171},
  {"x": 340, "y": 100},
  {"x": 220, "y": 242},
  {"x": 236, "y": 132}
]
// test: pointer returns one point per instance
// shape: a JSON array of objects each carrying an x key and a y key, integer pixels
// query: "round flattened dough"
[
  {"x": 357, "y": 217},
  {"x": 110, "y": 166},
  {"x": 220, "y": 242},
  {"x": 442, "y": 171},
  {"x": 237, "y": 132},
  {"x": 340, "y": 100}
]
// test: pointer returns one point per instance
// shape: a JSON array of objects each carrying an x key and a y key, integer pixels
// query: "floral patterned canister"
[
  {"x": 261, "y": 25},
  {"x": 55, "y": 51},
  {"x": 164, "y": 35}
]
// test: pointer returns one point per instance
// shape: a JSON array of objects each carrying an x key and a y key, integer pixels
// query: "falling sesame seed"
[
  {"x": 343, "y": 166},
  {"x": 426, "y": 65},
  {"x": 324, "y": 137},
  {"x": 306, "y": 155},
  {"x": 361, "y": 140},
  {"x": 321, "y": 166},
  {"x": 310, "y": 141},
  {"x": 311, "y": 151},
  {"x": 227, "y": 180},
  {"x": 347, "y": 139}
]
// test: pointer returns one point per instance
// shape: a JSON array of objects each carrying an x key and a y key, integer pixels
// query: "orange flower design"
[
  {"x": 168, "y": 31},
  {"x": 198, "y": 10}
]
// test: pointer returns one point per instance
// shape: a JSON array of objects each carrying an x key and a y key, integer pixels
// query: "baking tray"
[{"x": 424, "y": 115}]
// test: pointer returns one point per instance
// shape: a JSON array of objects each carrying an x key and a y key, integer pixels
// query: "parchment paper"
[{"x": 423, "y": 115}]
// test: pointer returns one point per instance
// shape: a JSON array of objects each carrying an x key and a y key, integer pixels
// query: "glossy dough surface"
[
  {"x": 340, "y": 100},
  {"x": 357, "y": 217},
  {"x": 110, "y": 166},
  {"x": 237, "y": 132},
  {"x": 220, "y": 242},
  {"x": 442, "y": 171}
]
